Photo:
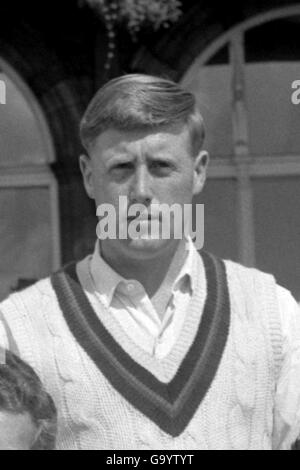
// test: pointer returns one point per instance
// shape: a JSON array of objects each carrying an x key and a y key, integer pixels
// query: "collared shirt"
[{"x": 130, "y": 305}]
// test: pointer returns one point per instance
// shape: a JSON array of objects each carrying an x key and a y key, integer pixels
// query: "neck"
[{"x": 152, "y": 272}]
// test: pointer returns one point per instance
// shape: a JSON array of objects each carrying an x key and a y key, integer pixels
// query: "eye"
[
  {"x": 123, "y": 166},
  {"x": 122, "y": 170},
  {"x": 161, "y": 167}
]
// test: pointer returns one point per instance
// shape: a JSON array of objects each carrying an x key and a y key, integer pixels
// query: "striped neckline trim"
[{"x": 171, "y": 405}]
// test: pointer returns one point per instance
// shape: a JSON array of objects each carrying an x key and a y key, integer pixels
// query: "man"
[
  {"x": 28, "y": 419},
  {"x": 146, "y": 344}
]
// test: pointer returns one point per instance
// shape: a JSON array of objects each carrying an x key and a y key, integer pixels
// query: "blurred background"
[{"x": 239, "y": 61}]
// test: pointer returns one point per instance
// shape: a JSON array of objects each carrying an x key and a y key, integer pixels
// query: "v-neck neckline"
[
  {"x": 170, "y": 405},
  {"x": 163, "y": 368}
]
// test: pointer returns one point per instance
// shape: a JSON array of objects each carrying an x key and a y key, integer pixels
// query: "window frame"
[
  {"x": 36, "y": 175},
  {"x": 243, "y": 166}
]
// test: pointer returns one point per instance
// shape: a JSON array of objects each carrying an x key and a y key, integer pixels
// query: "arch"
[
  {"x": 169, "y": 55},
  {"x": 34, "y": 106},
  {"x": 45, "y": 175},
  {"x": 198, "y": 29},
  {"x": 257, "y": 20},
  {"x": 61, "y": 92},
  {"x": 252, "y": 170}
]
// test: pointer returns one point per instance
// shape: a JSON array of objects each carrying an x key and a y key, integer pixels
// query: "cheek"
[
  {"x": 179, "y": 189},
  {"x": 17, "y": 435},
  {"x": 182, "y": 195},
  {"x": 110, "y": 194},
  {"x": 101, "y": 186}
]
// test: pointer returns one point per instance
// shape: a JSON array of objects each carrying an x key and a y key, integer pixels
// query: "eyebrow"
[
  {"x": 121, "y": 158},
  {"x": 160, "y": 157},
  {"x": 124, "y": 157}
]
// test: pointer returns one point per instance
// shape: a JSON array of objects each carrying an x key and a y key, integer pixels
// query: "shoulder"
[
  {"x": 289, "y": 311},
  {"x": 237, "y": 270},
  {"x": 30, "y": 296},
  {"x": 252, "y": 290},
  {"x": 43, "y": 291},
  {"x": 22, "y": 309},
  {"x": 251, "y": 281},
  {"x": 255, "y": 278},
  {"x": 261, "y": 290},
  {"x": 254, "y": 301}
]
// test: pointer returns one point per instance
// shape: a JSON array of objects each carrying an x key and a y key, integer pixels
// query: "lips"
[{"x": 144, "y": 218}]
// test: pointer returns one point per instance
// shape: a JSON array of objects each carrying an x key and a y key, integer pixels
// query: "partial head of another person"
[{"x": 28, "y": 417}]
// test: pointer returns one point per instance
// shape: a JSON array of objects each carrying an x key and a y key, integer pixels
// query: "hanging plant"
[{"x": 135, "y": 14}]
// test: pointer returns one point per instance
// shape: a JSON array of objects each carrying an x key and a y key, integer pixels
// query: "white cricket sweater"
[{"x": 214, "y": 390}]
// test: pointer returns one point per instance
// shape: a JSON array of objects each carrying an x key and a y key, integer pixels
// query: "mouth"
[{"x": 144, "y": 218}]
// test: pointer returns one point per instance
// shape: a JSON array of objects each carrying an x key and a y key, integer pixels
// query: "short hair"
[
  {"x": 21, "y": 391},
  {"x": 141, "y": 102}
]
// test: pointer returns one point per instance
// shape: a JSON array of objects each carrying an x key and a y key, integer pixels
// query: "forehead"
[
  {"x": 164, "y": 138},
  {"x": 17, "y": 431}
]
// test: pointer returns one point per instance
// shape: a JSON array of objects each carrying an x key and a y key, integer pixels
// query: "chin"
[{"x": 147, "y": 248}]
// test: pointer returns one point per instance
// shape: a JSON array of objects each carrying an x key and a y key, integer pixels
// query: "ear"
[
  {"x": 200, "y": 169},
  {"x": 85, "y": 165}
]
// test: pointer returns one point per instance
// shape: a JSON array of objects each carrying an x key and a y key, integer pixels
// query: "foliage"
[{"x": 138, "y": 13}]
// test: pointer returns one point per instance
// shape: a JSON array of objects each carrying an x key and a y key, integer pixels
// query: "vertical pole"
[{"x": 245, "y": 210}]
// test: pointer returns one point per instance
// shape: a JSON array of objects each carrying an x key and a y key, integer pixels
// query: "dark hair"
[
  {"x": 21, "y": 391},
  {"x": 137, "y": 102}
]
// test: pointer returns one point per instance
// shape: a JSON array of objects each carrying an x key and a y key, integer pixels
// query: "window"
[
  {"x": 29, "y": 230},
  {"x": 243, "y": 85}
]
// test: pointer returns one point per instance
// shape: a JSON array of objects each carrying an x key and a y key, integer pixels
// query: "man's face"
[
  {"x": 147, "y": 167},
  {"x": 17, "y": 431}
]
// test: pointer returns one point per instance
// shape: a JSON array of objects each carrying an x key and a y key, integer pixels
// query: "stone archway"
[
  {"x": 174, "y": 52},
  {"x": 62, "y": 97}
]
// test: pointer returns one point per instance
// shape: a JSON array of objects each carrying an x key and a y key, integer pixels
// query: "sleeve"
[{"x": 287, "y": 397}]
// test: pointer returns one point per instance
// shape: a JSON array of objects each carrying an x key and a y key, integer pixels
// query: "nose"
[{"x": 141, "y": 191}]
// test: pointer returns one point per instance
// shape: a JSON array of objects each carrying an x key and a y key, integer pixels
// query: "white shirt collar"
[{"x": 106, "y": 280}]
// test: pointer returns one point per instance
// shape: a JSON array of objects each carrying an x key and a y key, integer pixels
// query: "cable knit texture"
[{"x": 235, "y": 413}]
